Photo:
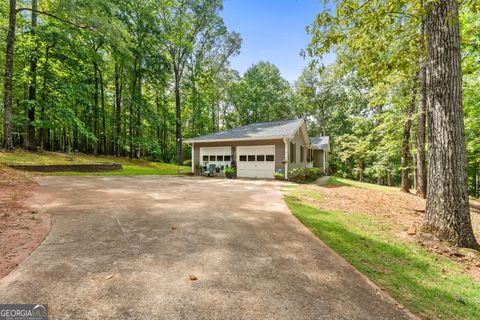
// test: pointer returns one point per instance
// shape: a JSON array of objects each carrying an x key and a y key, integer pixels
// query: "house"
[{"x": 260, "y": 149}]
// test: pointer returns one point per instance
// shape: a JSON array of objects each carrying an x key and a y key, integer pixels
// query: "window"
[
  {"x": 260, "y": 157},
  {"x": 243, "y": 158},
  {"x": 226, "y": 158},
  {"x": 302, "y": 153},
  {"x": 270, "y": 157},
  {"x": 212, "y": 158},
  {"x": 219, "y": 158},
  {"x": 251, "y": 157},
  {"x": 293, "y": 155},
  {"x": 205, "y": 158}
]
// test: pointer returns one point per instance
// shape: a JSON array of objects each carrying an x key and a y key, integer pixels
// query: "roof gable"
[{"x": 275, "y": 129}]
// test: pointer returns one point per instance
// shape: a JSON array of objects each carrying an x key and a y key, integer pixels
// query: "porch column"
[
  {"x": 287, "y": 146},
  {"x": 324, "y": 159}
]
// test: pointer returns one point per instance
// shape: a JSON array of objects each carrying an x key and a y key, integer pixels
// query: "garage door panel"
[{"x": 256, "y": 165}]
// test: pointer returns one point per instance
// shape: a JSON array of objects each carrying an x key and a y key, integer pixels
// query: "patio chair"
[{"x": 211, "y": 170}]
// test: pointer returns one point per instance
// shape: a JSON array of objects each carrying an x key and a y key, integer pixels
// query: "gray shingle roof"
[
  {"x": 280, "y": 129},
  {"x": 320, "y": 142}
]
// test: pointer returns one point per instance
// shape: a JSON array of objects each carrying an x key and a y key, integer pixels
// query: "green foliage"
[
  {"x": 130, "y": 166},
  {"x": 428, "y": 284},
  {"x": 279, "y": 175},
  {"x": 261, "y": 95},
  {"x": 303, "y": 174},
  {"x": 229, "y": 170}
]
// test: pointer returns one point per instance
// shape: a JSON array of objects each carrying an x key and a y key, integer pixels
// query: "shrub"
[
  {"x": 187, "y": 163},
  {"x": 279, "y": 175},
  {"x": 229, "y": 170},
  {"x": 303, "y": 174}
]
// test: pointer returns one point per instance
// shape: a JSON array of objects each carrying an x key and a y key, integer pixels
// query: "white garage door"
[
  {"x": 221, "y": 156},
  {"x": 256, "y": 161}
]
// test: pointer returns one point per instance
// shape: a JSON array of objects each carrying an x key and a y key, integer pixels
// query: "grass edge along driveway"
[{"x": 429, "y": 285}]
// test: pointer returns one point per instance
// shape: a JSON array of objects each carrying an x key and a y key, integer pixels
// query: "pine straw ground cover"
[{"x": 377, "y": 229}]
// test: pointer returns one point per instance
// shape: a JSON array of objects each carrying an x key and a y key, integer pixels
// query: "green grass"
[
  {"x": 336, "y": 181},
  {"x": 130, "y": 166},
  {"x": 429, "y": 285}
]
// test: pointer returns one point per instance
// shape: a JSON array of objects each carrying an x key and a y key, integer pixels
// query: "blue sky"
[{"x": 274, "y": 31}]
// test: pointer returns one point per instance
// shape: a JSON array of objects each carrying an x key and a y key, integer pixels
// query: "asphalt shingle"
[{"x": 277, "y": 129}]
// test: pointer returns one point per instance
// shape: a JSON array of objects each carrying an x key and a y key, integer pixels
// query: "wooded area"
[{"x": 136, "y": 77}]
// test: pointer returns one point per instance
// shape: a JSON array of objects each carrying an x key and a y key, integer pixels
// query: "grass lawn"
[
  {"x": 336, "y": 181},
  {"x": 428, "y": 284},
  {"x": 130, "y": 166}
]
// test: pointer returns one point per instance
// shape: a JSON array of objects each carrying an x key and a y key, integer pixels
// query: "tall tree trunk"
[
  {"x": 118, "y": 107},
  {"x": 32, "y": 90},
  {"x": 104, "y": 125},
  {"x": 405, "y": 184},
  {"x": 178, "y": 117},
  {"x": 389, "y": 178},
  {"x": 139, "y": 116},
  {"x": 95, "y": 111},
  {"x": 447, "y": 213},
  {"x": 8, "y": 85},
  {"x": 132, "y": 102},
  {"x": 421, "y": 174}
]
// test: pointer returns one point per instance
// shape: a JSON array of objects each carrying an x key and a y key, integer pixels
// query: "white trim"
[
  {"x": 287, "y": 153},
  {"x": 193, "y": 158},
  {"x": 324, "y": 158},
  {"x": 236, "y": 139}
]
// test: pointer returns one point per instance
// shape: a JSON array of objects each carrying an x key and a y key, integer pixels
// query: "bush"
[
  {"x": 229, "y": 170},
  {"x": 303, "y": 174},
  {"x": 279, "y": 175},
  {"x": 187, "y": 163}
]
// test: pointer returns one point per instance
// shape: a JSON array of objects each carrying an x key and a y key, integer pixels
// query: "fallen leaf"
[
  {"x": 411, "y": 231},
  {"x": 110, "y": 276},
  {"x": 192, "y": 277},
  {"x": 174, "y": 227}
]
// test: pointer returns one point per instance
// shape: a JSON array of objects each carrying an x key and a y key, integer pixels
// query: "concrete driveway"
[{"x": 113, "y": 254}]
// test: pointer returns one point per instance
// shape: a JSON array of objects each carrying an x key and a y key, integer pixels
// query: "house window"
[
  {"x": 292, "y": 152},
  {"x": 212, "y": 158},
  {"x": 205, "y": 158},
  {"x": 219, "y": 158},
  {"x": 260, "y": 157},
  {"x": 243, "y": 158},
  {"x": 251, "y": 157},
  {"x": 270, "y": 157},
  {"x": 226, "y": 158},
  {"x": 302, "y": 153}
]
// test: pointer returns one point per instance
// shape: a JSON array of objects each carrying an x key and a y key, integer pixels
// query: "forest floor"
[
  {"x": 21, "y": 229},
  {"x": 130, "y": 166},
  {"x": 378, "y": 230}
]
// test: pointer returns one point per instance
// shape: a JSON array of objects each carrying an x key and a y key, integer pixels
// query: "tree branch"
[{"x": 52, "y": 16}]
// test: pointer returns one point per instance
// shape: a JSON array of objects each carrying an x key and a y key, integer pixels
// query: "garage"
[
  {"x": 220, "y": 156},
  {"x": 256, "y": 161}
]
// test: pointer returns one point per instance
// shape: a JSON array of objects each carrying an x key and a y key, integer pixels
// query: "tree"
[
  {"x": 186, "y": 24},
  {"x": 262, "y": 95},
  {"x": 447, "y": 212},
  {"x": 8, "y": 81}
]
